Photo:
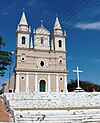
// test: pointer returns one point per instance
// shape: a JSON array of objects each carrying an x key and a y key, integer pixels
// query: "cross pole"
[{"x": 77, "y": 71}]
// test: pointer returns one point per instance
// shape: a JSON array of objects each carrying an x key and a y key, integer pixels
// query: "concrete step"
[{"x": 58, "y": 116}]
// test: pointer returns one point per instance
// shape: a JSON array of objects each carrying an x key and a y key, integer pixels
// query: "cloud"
[
  {"x": 88, "y": 26},
  {"x": 96, "y": 60},
  {"x": 89, "y": 60},
  {"x": 5, "y": 13}
]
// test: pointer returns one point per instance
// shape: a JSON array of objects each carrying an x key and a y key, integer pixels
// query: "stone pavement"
[{"x": 4, "y": 113}]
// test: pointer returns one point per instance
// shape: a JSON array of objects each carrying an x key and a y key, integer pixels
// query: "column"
[
  {"x": 17, "y": 82},
  {"x": 36, "y": 90},
  {"x": 57, "y": 83},
  {"x": 49, "y": 88},
  {"x": 27, "y": 83},
  {"x": 65, "y": 83}
]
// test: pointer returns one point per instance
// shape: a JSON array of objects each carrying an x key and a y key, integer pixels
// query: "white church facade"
[{"x": 40, "y": 66}]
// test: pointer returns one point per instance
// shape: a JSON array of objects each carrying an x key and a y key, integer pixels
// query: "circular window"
[
  {"x": 60, "y": 60},
  {"x": 22, "y": 77},
  {"x": 23, "y": 58},
  {"x": 42, "y": 63},
  {"x": 61, "y": 78}
]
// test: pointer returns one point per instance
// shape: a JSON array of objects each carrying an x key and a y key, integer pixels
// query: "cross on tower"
[{"x": 78, "y": 71}]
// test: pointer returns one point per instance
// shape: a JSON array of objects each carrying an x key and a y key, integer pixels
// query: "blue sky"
[{"x": 81, "y": 20}]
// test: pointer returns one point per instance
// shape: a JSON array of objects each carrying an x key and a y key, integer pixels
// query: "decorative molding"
[{"x": 40, "y": 71}]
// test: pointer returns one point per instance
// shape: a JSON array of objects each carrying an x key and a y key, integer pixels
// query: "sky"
[{"x": 81, "y": 20}]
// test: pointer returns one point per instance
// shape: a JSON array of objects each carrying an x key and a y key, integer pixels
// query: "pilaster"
[{"x": 17, "y": 82}]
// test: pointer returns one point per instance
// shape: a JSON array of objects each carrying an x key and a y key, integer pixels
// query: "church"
[
  {"x": 40, "y": 66},
  {"x": 40, "y": 84}
]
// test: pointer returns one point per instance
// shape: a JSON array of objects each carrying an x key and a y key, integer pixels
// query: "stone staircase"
[
  {"x": 58, "y": 116},
  {"x": 52, "y": 107},
  {"x": 53, "y": 100}
]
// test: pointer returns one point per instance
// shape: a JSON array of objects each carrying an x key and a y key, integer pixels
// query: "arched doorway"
[{"x": 42, "y": 86}]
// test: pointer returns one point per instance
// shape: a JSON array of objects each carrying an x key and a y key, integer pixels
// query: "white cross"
[
  {"x": 41, "y": 22},
  {"x": 77, "y": 71}
]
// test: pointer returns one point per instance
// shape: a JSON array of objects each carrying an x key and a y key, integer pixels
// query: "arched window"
[
  {"x": 42, "y": 40},
  {"x": 23, "y": 40},
  {"x": 42, "y": 86},
  {"x": 60, "y": 43}
]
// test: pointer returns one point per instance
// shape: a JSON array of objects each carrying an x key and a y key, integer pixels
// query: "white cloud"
[
  {"x": 5, "y": 13},
  {"x": 96, "y": 61},
  {"x": 88, "y": 26},
  {"x": 89, "y": 60}
]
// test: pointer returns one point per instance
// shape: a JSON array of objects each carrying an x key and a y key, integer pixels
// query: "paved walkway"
[{"x": 4, "y": 114}]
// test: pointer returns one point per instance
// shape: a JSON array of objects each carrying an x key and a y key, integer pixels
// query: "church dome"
[{"x": 42, "y": 31}]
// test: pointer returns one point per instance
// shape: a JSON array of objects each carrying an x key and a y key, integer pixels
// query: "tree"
[
  {"x": 5, "y": 58},
  {"x": 72, "y": 85},
  {"x": 1, "y": 91},
  {"x": 85, "y": 85}
]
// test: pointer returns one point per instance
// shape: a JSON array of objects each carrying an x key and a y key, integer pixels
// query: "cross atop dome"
[{"x": 41, "y": 22}]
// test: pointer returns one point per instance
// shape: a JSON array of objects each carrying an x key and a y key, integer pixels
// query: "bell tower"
[
  {"x": 23, "y": 33},
  {"x": 59, "y": 36}
]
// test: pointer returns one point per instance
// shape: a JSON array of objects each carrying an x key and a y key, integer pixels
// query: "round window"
[
  {"x": 60, "y": 60},
  {"x": 61, "y": 78},
  {"x": 23, "y": 57},
  {"x": 42, "y": 63},
  {"x": 22, "y": 77}
]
